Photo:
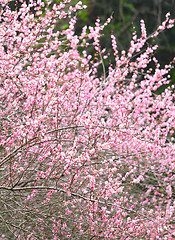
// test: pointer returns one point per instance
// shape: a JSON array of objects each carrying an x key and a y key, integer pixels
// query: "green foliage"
[{"x": 84, "y": 14}]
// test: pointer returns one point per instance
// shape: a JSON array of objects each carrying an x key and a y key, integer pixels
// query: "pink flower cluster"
[{"x": 82, "y": 156}]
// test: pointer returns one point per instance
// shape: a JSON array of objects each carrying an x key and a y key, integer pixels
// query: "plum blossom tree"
[{"x": 82, "y": 156}]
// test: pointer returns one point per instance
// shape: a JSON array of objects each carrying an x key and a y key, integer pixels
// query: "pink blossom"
[{"x": 83, "y": 154}]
